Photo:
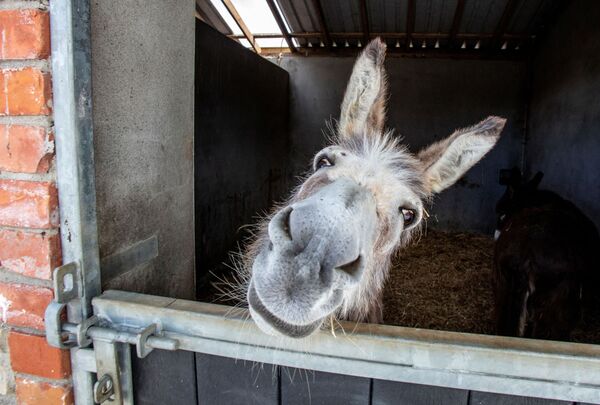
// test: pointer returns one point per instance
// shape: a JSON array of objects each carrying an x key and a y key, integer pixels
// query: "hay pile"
[{"x": 444, "y": 282}]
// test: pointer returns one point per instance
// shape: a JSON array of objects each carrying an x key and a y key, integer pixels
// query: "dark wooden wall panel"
[
  {"x": 164, "y": 378},
  {"x": 241, "y": 145},
  {"x": 389, "y": 392},
  {"x": 299, "y": 387},
  {"x": 224, "y": 381},
  {"x": 487, "y": 398}
]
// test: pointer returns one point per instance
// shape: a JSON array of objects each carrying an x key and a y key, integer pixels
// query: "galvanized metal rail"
[
  {"x": 72, "y": 101},
  {"x": 556, "y": 370}
]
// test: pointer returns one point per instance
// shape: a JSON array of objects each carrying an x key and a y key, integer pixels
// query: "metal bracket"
[
  {"x": 141, "y": 344},
  {"x": 53, "y": 322},
  {"x": 67, "y": 287},
  {"x": 135, "y": 255},
  {"x": 108, "y": 386},
  {"x": 67, "y": 283}
]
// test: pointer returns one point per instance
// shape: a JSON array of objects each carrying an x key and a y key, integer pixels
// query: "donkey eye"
[
  {"x": 408, "y": 215},
  {"x": 323, "y": 162}
]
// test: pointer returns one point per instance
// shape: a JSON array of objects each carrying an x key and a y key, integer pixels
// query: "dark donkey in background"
[{"x": 545, "y": 261}]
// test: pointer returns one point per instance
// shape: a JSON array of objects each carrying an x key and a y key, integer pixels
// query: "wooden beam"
[
  {"x": 238, "y": 20},
  {"x": 410, "y": 21},
  {"x": 364, "y": 21},
  {"x": 509, "y": 10},
  {"x": 281, "y": 25},
  {"x": 275, "y": 51},
  {"x": 323, "y": 26},
  {"x": 458, "y": 14},
  {"x": 392, "y": 35},
  {"x": 417, "y": 53}
]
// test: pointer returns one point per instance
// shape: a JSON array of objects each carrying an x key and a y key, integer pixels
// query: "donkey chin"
[
  {"x": 276, "y": 325},
  {"x": 313, "y": 258}
]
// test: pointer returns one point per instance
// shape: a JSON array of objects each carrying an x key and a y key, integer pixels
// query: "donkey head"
[
  {"x": 519, "y": 194},
  {"x": 327, "y": 252}
]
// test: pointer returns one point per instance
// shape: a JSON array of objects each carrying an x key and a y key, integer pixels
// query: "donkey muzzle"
[{"x": 315, "y": 252}]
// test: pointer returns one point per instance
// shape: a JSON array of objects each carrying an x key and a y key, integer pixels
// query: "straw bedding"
[{"x": 443, "y": 282}]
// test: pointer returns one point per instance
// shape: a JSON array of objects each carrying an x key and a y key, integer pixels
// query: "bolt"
[{"x": 105, "y": 389}]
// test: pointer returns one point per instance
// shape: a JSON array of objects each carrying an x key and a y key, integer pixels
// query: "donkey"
[
  {"x": 545, "y": 259},
  {"x": 327, "y": 251}
]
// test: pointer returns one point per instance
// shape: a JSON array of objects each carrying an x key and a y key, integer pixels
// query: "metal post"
[{"x": 71, "y": 80}]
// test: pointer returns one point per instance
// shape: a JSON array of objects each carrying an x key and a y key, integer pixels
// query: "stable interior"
[
  {"x": 443, "y": 280},
  {"x": 197, "y": 170}
]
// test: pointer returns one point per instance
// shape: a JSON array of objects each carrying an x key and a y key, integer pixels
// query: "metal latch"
[
  {"x": 67, "y": 286},
  {"x": 108, "y": 340}
]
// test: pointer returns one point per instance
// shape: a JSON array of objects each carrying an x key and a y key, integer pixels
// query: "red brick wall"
[{"x": 29, "y": 238}]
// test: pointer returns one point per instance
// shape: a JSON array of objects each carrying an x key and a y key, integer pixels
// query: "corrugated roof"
[
  {"x": 477, "y": 26},
  {"x": 435, "y": 15},
  {"x": 387, "y": 15}
]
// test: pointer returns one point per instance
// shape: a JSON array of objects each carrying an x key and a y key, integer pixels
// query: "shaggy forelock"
[{"x": 385, "y": 150}]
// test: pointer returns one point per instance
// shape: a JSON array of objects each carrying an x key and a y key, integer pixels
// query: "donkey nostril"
[
  {"x": 286, "y": 224},
  {"x": 354, "y": 269},
  {"x": 279, "y": 227}
]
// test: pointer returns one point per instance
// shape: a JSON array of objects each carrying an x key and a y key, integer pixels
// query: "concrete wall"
[
  {"x": 7, "y": 378},
  {"x": 429, "y": 98},
  {"x": 143, "y": 88},
  {"x": 564, "y": 129},
  {"x": 241, "y": 144}
]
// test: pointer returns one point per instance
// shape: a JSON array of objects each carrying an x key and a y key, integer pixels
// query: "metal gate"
[{"x": 121, "y": 319}]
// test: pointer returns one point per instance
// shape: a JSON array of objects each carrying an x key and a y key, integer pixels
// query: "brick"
[
  {"x": 33, "y": 254},
  {"x": 32, "y": 392},
  {"x": 25, "y": 148},
  {"x": 31, "y": 204},
  {"x": 31, "y": 354},
  {"x": 25, "y": 91},
  {"x": 24, "y": 305},
  {"x": 24, "y": 34}
]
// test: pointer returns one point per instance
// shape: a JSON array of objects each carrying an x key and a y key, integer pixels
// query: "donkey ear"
[
  {"x": 446, "y": 161},
  {"x": 363, "y": 108}
]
